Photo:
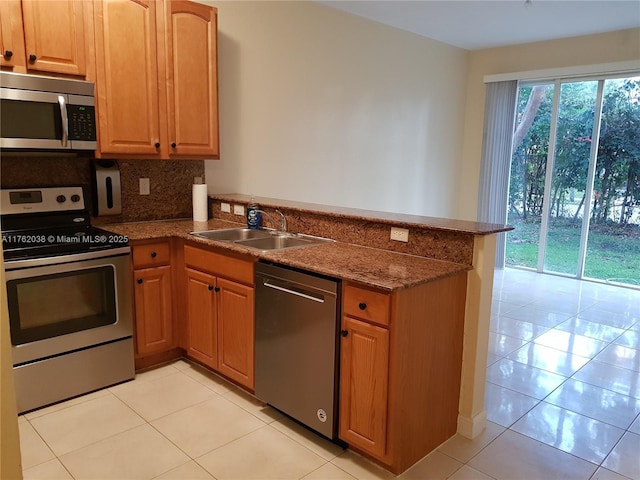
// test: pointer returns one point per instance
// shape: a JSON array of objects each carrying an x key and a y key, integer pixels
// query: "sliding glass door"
[
  {"x": 563, "y": 217},
  {"x": 613, "y": 249},
  {"x": 574, "y": 194}
]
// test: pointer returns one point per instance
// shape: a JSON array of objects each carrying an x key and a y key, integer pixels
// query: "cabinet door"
[
  {"x": 54, "y": 36},
  {"x": 364, "y": 377},
  {"x": 11, "y": 36},
  {"x": 236, "y": 332},
  {"x": 127, "y": 77},
  {"x": 154, "y": 329},
  {"x": 202, "y": 335},
  {"x": 192, "y": 90}
]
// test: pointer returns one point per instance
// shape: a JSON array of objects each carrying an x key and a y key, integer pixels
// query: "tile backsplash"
[{"x": 170, "y": 183}]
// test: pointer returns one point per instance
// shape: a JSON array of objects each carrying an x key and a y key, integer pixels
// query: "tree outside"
[{"x": 613, "y": 249}]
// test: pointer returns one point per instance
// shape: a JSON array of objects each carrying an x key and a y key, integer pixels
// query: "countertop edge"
[{"x": 399, "y": 219}]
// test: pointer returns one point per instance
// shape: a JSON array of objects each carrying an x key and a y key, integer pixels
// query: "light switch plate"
[
  {"x": 225, "y": 207},
  {"x": 238, "y": 210},
  {"x": 144, "y": 186}
]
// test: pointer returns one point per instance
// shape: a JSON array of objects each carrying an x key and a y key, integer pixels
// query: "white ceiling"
[{"x": 477, "y": 24}]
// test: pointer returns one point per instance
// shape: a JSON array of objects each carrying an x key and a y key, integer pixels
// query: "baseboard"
[{"x": 471, "y": 427}]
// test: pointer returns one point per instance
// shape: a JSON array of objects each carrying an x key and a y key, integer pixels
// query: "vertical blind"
[{"x": 493, "y": 191}]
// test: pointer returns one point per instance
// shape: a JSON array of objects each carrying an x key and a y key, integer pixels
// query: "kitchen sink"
[
  {"x": 262, "y": 239},
  {"x": 232, "y": 234}
]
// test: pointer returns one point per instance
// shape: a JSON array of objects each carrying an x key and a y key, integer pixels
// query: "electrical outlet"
[
  {"x": 144, "y": 186},
  {"x": 225, "y": 207},
  {"x": 399, "y": 234},
  {"x": 238, "y": 210}
]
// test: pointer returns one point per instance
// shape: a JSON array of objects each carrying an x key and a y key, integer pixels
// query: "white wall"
[{"x": 321, "y": 106}]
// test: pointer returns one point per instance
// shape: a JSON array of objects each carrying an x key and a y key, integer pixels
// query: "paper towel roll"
[{"x": 200, "y": 203}]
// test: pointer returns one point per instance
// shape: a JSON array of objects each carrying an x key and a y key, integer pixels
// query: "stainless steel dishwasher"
[{"x": 296, "y": 345}]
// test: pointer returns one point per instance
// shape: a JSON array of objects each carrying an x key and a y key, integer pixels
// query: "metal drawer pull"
[{"x": 293, "y": 292}]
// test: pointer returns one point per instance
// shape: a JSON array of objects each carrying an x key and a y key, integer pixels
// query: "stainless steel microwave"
[{"x": 46, "y": 113}]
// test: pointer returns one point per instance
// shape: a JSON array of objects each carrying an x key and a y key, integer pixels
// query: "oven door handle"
[
  {"x": 56, "y": 260},
  {"x": 65, "y": 120}
]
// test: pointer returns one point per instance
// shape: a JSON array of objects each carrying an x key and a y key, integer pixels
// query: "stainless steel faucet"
[{"x": 283, "y": 220}]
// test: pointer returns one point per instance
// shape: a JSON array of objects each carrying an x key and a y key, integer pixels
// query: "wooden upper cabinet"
[
  {"x": 54, "y": 36},
  {"x": 12, "y": 36},
  {"x": 127, "y": 77},
  {"x": 156, "y": 78},
  {"x": 192, "y": 79}
]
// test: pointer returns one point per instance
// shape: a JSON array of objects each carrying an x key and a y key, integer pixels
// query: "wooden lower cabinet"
[
  {"x": 236, "y": 321},
  {"x": 364, "y": 385},
  {"x": 220, "y": 313},
  {"x": 401, "y": 363},
  {"x": 155, "y": 331},
  {"x": 202, "y": 334}
]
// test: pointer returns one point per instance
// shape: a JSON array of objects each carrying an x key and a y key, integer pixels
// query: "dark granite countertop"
[
  {"x": 370, "y": 266},
  {"x": 399, "y": 219}
]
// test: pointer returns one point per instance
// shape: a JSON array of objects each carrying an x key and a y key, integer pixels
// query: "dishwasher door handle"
[{"x": 293, "y": 292}]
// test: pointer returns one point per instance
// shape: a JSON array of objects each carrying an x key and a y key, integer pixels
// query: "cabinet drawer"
[
  {"x": 366, "y": 304},
  {"x": 219, "y": 264},
  {"x": 151, "y": 254}
]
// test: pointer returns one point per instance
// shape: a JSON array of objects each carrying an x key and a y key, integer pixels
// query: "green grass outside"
[{"x": 613, "y": 252}]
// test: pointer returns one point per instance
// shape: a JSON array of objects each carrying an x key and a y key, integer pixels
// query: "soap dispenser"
[{"x": 253, "y": 214}]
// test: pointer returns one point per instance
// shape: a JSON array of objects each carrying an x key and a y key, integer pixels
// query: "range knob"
[
  {"x": 75, "y": 198},
  {"x": 61, "y": 199}
]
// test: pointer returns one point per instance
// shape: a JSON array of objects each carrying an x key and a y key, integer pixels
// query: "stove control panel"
[{"x": 40, "y": 200}]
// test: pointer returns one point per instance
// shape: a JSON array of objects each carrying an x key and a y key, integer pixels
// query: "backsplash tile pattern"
[
  {"x": 170, "y": 182},
  {"x": 444, "y": 245}
]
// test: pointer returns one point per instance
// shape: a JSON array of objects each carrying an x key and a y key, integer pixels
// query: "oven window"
[{"x": 51, "y": 305}]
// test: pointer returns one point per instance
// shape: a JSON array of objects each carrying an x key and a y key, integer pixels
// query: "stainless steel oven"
[{"x": 69, "y": 296}]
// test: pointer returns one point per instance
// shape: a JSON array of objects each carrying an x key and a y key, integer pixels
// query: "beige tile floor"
[{"x": 563, "y": 401}]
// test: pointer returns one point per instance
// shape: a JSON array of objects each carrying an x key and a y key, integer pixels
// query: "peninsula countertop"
[{"x": 374, "y": 267}]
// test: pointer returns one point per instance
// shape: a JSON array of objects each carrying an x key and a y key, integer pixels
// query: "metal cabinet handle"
[
  {"x": 293, "y": 292},
  {"x": 65, "y": 120},
  {"x": 139, "y": 281},
  {"x": 210, "y": 287},
  {"x": 154, "y": 254},
  {"x": 344, "y": 333},
  {"x": 217, "y": 289},
  {"x": 362, "y": 306},
  {"x": 32, "y": 58},
  {"x": 157, "y": 144},
  {"x": 8, "y": 54},
  {"x": 173, "y": 145}
]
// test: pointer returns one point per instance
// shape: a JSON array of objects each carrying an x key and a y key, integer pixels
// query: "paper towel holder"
[{"x": 107, "y": 190}]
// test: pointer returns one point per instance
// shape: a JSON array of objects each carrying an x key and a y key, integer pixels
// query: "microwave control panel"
[{"x": 82, "y": 122}]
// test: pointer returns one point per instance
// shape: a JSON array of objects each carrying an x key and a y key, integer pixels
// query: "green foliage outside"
[{"x": 613, "y": 250}]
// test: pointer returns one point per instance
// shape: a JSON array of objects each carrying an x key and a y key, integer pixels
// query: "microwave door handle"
[{"x": 65, "y": 121}]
